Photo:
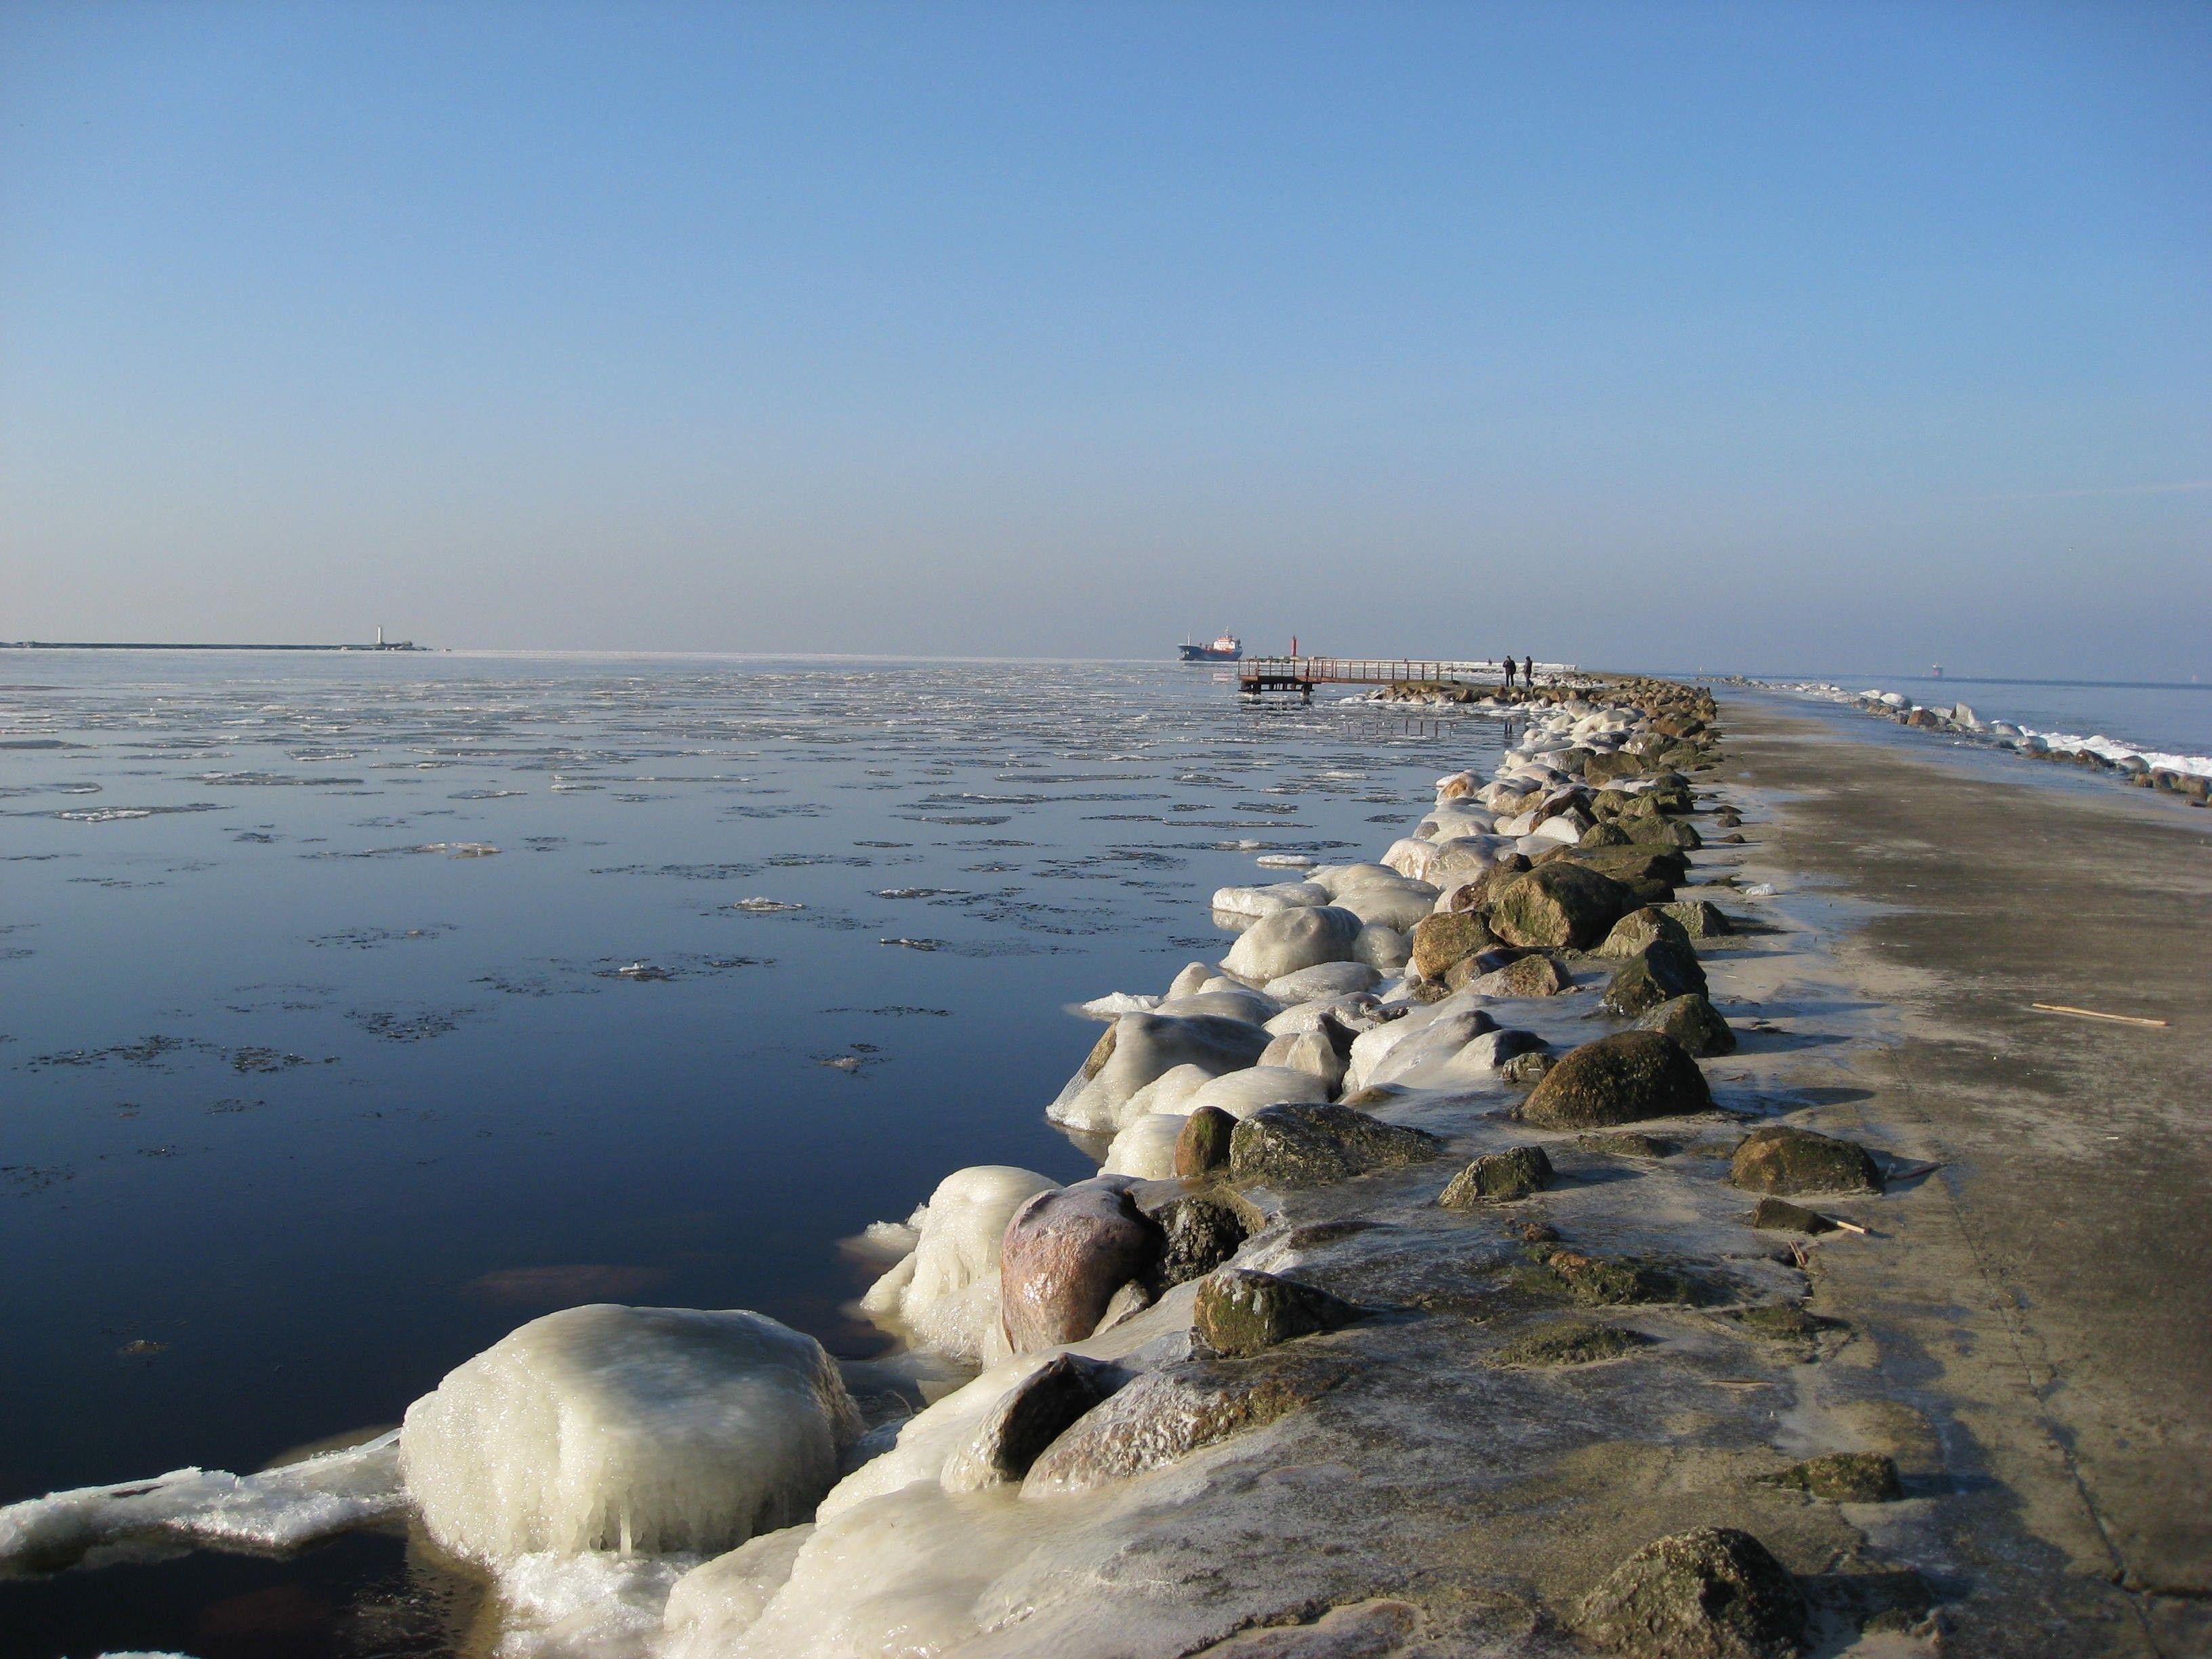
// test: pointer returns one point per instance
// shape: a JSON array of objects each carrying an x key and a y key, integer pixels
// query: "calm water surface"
[{"x": 310, "y": 1094}]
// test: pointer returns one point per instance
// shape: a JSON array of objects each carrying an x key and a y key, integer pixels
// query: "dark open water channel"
[{"x": 304, "y": 1096}]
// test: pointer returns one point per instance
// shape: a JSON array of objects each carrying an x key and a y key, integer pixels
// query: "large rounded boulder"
[
  {"x": 661, "y": 1430},
  {"x": 1138, "y": 1049},
  {"x": 1559, "y": 904},
  {"x": 943, "y": 1296},
  {"x": 1291, "y": 939},
  {"x": 1621, "y": 1079},
  {"x": 1064, "y": 1254}
]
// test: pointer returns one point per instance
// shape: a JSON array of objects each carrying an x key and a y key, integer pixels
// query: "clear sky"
[{"x": 1771, "y": 336}]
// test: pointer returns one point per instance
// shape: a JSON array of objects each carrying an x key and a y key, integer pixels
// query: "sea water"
[
  {"x": 356, "y": 1009},
  {"x": 2167, "y": 724}
]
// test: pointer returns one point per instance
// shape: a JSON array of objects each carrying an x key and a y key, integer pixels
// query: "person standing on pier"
[{"x": 1509, "y": 673}]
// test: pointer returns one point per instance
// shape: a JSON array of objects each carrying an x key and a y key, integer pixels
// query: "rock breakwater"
[{"x": 1361, "y": 1340}]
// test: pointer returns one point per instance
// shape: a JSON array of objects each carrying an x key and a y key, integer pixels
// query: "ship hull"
[{"x": 1207, "y": 654}]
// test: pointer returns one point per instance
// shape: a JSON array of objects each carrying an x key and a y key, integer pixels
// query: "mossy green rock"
[
  {"x": 1786, "y": 1161},
  {"x": 1600, "y": 1282},
  {"x": 1646, "y": 925},
  {"x": 1658, "y": 973},
  {"x": 1442, "y": 941},
  {"x": 1532, "y": 976},
  {"x": 1203, "y": 1144},
  {"x": 1639, "y": 863},
  {"x": 1562, "y": 904},
  {"x": 1842, "y": 1477},
  {"x": 1498, "y": 1178},
  {"x": 1240, "y": 1311},
  {"x": 1697, "y": 919},
  {"x": 1310, "y": 1145},
  {"x": 1622, "y": 1079},
  {"x": 1570, "y": 1342},
  {"x": 1658, "y": 831},
  {"x": 1712, "y": 1593},
  {"x": 1603, "y": 833},
  {"x": 1693, "y": 1022}
]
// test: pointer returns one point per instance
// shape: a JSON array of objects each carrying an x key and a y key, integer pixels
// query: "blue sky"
[{"x": 1759, "y": 336}]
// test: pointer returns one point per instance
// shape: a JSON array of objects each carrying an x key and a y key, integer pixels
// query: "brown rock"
[
  {"x": 1787, "y": 1161},
  {"x": 1064, "y": 1254},
  {"x": 1563, "y": 903},
  {"x": 1203, "y": 1144},
  {"x": 1440, "y": 941}
]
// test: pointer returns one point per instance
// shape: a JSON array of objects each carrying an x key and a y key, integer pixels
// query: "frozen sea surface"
[{"x": 354, "y": 1010}]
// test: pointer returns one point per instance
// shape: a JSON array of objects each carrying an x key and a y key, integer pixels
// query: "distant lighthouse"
[{"x": 379, "y": 636}]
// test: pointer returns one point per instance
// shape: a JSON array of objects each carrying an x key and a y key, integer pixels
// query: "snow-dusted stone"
[
  {"x": 1457, "y": 785},
  {"x": 1465, "y": 856},
  {"x": 945, "y": 1295},
  {"x": 1384, "y": 949},
  {"x": 607, "y": 1428},
  {"x": 1142, "y": 1047},
  {"x": 1291, "y": 939},
  {"x": 1563, "y": 828},
  {"x": 1145, "y": 1149},
  {"x": 1323, "y": 982},
  {"x": 1268, "y": 900},
  {"x": 1240, "y": 1094}
]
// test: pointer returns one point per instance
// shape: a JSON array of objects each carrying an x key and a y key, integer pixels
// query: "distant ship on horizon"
[{"x": 1227, "y": 648}]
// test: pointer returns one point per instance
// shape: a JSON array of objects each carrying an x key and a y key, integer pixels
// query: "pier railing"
[{"x": 1302, "y": 673}]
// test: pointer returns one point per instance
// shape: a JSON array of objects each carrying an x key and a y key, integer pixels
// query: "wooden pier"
[{"x": 1257, "y": 675}]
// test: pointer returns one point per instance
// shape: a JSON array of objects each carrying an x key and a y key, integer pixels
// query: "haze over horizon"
[{"x": 1722, "y": 335}]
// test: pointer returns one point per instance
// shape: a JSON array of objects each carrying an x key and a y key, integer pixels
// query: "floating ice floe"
[{"x": 278, "y": 1510}]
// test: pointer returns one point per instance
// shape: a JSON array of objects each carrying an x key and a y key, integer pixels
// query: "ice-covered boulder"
[
  {"x": 1376, "y": 894},
  {"x": 1225, "y": 1000},
  {"x": 1437, "y": 1042},
  {"x": 1322, "y": 982},
  {"x": 1168, "y": 1092},
  {"x": 1291, "y": 939},
  {"x": 1384, "y": 949},
  {"x": 1139, "y": 1047},
  {"x": 1240, "y": 1094},
  {"x": 1268, "y": 900},
  {"x": 1323, "y": 1052},
  {"x": 1147, "y": 1148},
  {"x": 610, "y": 1428},
  {"x": 1410, "y": 857},
  {"x": 945, "y": 1295}
]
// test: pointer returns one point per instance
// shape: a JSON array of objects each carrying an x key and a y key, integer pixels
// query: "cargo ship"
[{"x": 1227, "y": 648}]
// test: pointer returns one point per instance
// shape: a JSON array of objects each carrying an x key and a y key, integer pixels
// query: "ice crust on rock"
[
  {"x": 611, "y": 1428},
  {"x": 1145, "y": 1149},
  {"x": 945, "y": 1295},
  {"x": 1143, "y": 1047},
  {"x": 1240, "y": 1094},
  {"x": 1291, "y": 939},
  {"x": 280, "y": 1509}
]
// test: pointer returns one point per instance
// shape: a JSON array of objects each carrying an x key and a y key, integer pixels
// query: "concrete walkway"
[{"x": 2041, "y": 1317}]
